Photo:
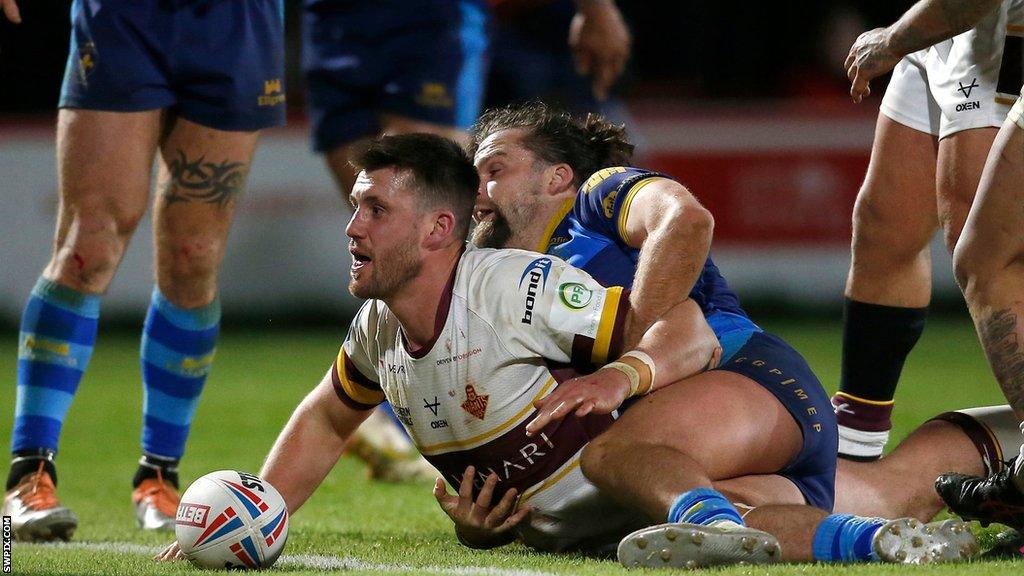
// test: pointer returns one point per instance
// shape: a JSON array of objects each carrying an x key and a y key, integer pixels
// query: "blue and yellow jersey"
[{"x": 589, "y": 233}]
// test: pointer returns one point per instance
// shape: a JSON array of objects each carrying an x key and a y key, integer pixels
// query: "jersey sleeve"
[
  {"x": 549, "y": 309},
  {"x": 605, "y": 199},
  {"x": 354, "y": 373}
]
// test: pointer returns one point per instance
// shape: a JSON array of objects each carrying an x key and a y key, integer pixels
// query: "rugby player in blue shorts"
[
  {"x": 532, "y": 197},
  {"x": 191, "y": 84}
]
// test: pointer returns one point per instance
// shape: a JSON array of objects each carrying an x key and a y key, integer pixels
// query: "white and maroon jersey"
[{"x": 511, "y": 326}]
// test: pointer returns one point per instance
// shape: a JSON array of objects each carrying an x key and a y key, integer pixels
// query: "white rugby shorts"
[{"x": 968, "y": 81}]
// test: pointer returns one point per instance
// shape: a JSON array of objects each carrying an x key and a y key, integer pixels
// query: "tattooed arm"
[{"x": 927, "y": 22}]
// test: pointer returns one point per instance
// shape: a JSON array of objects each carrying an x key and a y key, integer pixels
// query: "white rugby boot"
[
  {"x": 909, "y": 541},
  {"x": 36, "y": 513},
  {"x": 681, "y": 545},
  {"x": 156, "y": 504},
  {"x": 388, "y": 452}
]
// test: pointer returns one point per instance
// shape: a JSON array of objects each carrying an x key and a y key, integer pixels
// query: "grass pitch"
[{"x": 351, "y": 524}]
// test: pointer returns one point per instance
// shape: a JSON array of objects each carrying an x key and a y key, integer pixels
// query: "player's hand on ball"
[
  {"x": 171, "y": 553},
  {"x": 601, "y": 392},
  {"x": 479, "y": 524},
  {"x": 869, "y": 58}
]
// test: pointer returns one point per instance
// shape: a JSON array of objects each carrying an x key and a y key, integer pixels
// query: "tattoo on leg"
[
  {"x": 1000, "y": 337},
  {"x": 201, "y": 181}
]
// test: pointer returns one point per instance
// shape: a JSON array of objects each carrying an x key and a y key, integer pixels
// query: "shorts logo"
[
  {"x": 969, "y": 88},
  {"x": 537, "y": 273},
  {"x": 87, "y": 60},
  {"x": 575, "y": 296},
  {"x": 434, "y": 95},
  {"x": 403, "y": 414},
  {"x": 475, "y": 404},
  {"x": 272, "y": 93}
]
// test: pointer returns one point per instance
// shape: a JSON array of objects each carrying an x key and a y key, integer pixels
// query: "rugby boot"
[
  {"x": 388, "y": 452},
  {"x": 995, "y": 498},
  {"x": 682, "y": 545},
  {"x": 909, "y": 541},
  {"x": 1005, "y": 545},
  {"x": 156, "y": 503},
  {"x": 36, "y": 513}
]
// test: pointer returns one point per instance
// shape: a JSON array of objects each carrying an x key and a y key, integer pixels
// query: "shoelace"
[
  {"x": 42, "y": 496},
  {"x": 163, "y": 497}
]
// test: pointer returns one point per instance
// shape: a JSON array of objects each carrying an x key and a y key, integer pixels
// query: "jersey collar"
[{"x": 557, "y": 219}]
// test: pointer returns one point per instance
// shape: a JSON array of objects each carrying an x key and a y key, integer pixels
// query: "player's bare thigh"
[
  {"x": 104, "y": 160},
  {"x": 202, "y": 173},
  {"x": 992, "y": 239},
  {"x": 902, "y": 483},
  {"x": 710, "y": 427},
  {"x": 958, "y": 170},
  {"x": 895, "y": 217}
]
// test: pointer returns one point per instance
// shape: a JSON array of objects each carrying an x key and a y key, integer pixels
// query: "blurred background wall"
[{"x": 743, "y": 102}]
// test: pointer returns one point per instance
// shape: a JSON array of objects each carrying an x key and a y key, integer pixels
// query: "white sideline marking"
[{"x": 313, "y": 561}]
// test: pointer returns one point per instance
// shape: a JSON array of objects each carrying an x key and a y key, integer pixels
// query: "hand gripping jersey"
[{"x": 513, "y": 324}]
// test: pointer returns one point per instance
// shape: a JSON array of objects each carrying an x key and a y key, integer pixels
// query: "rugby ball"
[{"x": 233, "y": 520}]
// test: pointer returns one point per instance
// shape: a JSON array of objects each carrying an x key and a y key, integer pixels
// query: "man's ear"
[
  {"x": 442, "y": 230},
  {"x": 560, "y": 179}
]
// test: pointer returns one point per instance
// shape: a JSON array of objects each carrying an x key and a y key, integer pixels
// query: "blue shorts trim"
[
  {"x": 219, "y": 64},
  {"x": 775, "y": 365},
  {"x": 733, "y": 331}
]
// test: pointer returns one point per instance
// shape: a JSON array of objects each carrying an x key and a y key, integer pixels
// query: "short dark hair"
[
  {"x": 586, "y": 144},
  {"x": 442, "y": 171}
]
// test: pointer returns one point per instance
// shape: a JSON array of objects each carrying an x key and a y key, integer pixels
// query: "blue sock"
[
  {"x": 845, "y": 538},
  {"x": 703, "y": 506},
  {"x": 58, "y": 332},
  {"x": 177, "y": 352}
]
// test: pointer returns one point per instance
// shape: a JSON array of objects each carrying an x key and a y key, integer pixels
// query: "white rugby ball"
[{"x": 230, "y": 519}]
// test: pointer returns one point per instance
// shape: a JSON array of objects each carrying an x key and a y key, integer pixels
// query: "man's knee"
[
  {"x": 877, "y": 227},
  {"x": 598, "y": 457},
  {"x": 90, "y": 245},
  {"x": 974, "y": 263},
  {"x": 188, "y": 267}
]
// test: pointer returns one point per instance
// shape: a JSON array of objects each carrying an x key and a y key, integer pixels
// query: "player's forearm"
[
  {"x": 671, "y": 260},
  {"x": 680, "y": 343},
  {"x": 303, "y": 455},
  {"x": 931, "y": 21}
]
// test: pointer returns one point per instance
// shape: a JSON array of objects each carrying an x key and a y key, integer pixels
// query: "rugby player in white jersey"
[
  {"x": 956, "y": 69},
  {"x": 477, "y": 350}
]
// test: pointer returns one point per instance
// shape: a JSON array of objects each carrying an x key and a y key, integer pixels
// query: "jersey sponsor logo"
[
  {"x": 966, "y": 90},
  {"x": 403, "y": 413},
  {"x": 272, "y": 93},
  {"x": 434, "y": 95},
  {"x": 459, "y": 357},
  {"x": 599, "y": 176},
  {"x": 475, "y": 404},
  {"x": 432, "y": 406},
  {"x": 608, "y": 204},
  {"x": 536, "y": 278},
  {"x": 574, "y": 296}
]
